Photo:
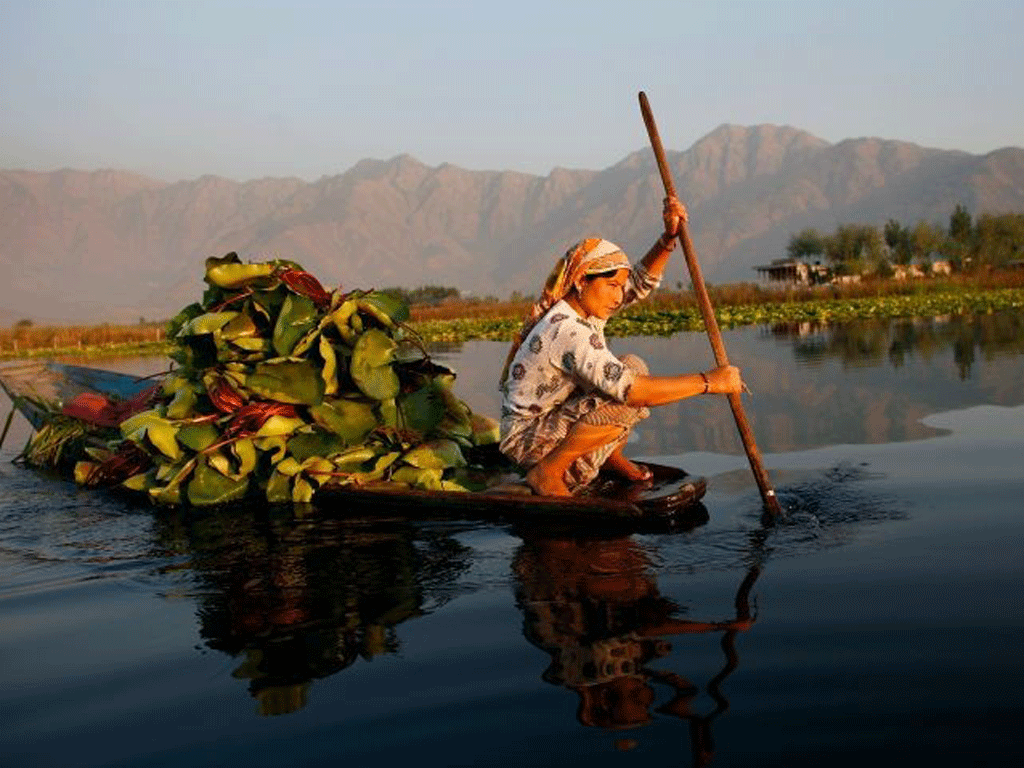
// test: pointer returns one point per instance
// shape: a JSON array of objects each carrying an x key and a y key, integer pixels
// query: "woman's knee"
[{"x": 635, "y": 363}]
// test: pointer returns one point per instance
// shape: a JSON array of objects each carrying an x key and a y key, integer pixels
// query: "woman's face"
[{"x": 601, "y": 295}]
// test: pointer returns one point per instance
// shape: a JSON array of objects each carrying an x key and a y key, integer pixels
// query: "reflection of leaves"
[{"x": 301, "y": 600}]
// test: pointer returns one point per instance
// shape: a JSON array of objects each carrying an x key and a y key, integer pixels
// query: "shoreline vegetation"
[{"x": 662, "y": 314}]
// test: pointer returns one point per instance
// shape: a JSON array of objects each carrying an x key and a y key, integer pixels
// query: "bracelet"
[
  {"x": 667, "y": 246},
  {"x": 707, "y": 383}
]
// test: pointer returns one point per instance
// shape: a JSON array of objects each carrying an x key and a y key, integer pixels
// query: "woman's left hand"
[{"x": 674, "y": 215}]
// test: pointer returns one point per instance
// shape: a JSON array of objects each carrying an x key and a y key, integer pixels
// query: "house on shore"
[{"x": 795, "y": 272}]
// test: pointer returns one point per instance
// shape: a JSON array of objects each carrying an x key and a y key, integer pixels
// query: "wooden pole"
[{"x": 771, "y": 502}]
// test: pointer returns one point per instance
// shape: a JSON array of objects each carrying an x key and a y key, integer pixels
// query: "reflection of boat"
[{"x": 40, "y": 389}]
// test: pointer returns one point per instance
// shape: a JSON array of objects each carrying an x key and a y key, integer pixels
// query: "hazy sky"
[{"x": 249, "y": 89}]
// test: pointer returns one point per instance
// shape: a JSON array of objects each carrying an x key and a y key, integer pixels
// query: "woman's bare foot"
[
  {"x": 627, "y": 469},
  {"x": 546, "y": 483}
]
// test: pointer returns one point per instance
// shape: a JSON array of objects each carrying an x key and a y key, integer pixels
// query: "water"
[{"x": 879, "y": 620}]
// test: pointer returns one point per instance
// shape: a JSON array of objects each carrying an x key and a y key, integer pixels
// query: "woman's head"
[
  {"x": 600, "y": 294},
  {"x": 590, "y": 256}
]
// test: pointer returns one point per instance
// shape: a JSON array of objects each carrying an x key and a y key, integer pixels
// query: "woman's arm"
[
  {"x": 658, "y": 390},
  {"x": 674, "y": 215}
]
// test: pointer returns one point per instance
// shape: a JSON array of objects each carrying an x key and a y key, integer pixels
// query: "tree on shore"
[
  {"x": 897, "y": 237},
  {"x": 853, "y": 247},
  {"x": 806, "y": 244}
]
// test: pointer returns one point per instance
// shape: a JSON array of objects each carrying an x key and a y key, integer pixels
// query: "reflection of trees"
[
  {"x": 594, "y": 607},
  {"x": 297, "y": 601},
  {"x": 870, "y": 342}
]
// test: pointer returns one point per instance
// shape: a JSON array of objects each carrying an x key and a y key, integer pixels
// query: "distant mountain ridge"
[{"x": 115, "y": 246}]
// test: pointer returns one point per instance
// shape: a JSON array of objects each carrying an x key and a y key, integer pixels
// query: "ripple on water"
[
  {"x": 54, "y": 534},
  {"x": 821, "y": 510}
]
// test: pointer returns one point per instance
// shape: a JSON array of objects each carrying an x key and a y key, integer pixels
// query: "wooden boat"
[{"x": 671, "y": 498}]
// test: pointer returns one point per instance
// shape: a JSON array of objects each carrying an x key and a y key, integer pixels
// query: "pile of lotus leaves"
[{"x": 283, "y": 388}]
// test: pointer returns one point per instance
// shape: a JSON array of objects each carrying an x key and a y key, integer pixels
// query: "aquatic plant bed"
[{"x": 642, "y": 321}]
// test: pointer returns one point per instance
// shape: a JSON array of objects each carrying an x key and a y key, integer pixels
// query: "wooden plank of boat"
[{"x": 669, "y": 492}]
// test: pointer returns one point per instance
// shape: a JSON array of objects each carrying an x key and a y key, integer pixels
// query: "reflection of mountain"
[
  {"x": 299, "y": 601},
  {"x": 594, "y": 607}
]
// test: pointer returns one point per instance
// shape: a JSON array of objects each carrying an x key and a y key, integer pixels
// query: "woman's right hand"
[{"x": 724, "y": 380}]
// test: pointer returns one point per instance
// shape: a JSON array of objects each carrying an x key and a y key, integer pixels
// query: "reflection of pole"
[{"x": 732, "y": 658}]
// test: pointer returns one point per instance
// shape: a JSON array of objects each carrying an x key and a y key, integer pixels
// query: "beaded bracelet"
[{"x": 707, "y": 383}]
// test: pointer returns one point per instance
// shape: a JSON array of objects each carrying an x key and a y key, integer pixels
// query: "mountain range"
[{"x": 107, "y": 245}]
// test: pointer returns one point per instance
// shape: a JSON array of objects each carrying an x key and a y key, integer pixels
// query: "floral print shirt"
[{"x": 565, "y": 352}]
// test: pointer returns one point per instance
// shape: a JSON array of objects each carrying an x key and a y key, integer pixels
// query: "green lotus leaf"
[
  {"x": 384, "y": 305},
  {"x": 371, "y": 367},
  {"x": 169, "y": 495},
  {"x": 140, "y": 482},
  {"x": 279, "y": 426},
  {"x": 351, "y": 420},
  {"x": 172, "y": 384},
  {"x": 298, "y": 315},
  {"x": 389, "y": 414},
  {"x": 380, "y": 466},
  {"x": 427, "y": 479},
  {"x": 152, "y": 427},
  {"x": 435, "y": 454},
  {"x": 279, "y": 488},
  {"x": 208, "y": 323},
  {"x": 198, "y": 437},
  {"x": 317, "y": 443},
  {"x": 209, "y": 486},
  {"x": 183, "y": 318},
  {"x": 168, "y": 471},
  {"x": 171, "y": 492},
  {"x": 139, "y": 421},
  {"x": 485, "y": 429},
  {"x": 458, "y": 418},
  {"x": 421, "y": 410},
  {"x": 302, "y": 491},
  {"x": 276, "y": 445},
  {"x": 245, "y": 453},
  {"x": 240, "y": 327},
  {"x": 289, "y": 466},
  {"x": 217, "y": 460},
  {"x": 254, "y": 344},
  {"x": 268, "y": 303},
  {"x": 329, "y": 371},
  {"x": 183, "y": 404},
  {"x": 162, "y": 436},
  {"x": 287, "y": 381},
  {"x": 353, "y": 460},
  {"x": 341, "y": 316},
  {"x": 228, "y": 272},
  {"x": 317, "y": 470}
]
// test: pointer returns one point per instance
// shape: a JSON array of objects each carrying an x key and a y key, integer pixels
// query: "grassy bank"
[{"x": 663, "y": 314}]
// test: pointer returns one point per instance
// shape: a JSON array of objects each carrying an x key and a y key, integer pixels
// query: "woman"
[{"x": 568, "y": 403}]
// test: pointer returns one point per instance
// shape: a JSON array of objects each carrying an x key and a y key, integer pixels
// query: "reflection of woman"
[
  {"x": 568, "y": 403},
  {"x": 594, "y": 607}
]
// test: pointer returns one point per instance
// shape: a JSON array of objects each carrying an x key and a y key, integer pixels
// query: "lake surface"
[{"x": 880, "y": 620}]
